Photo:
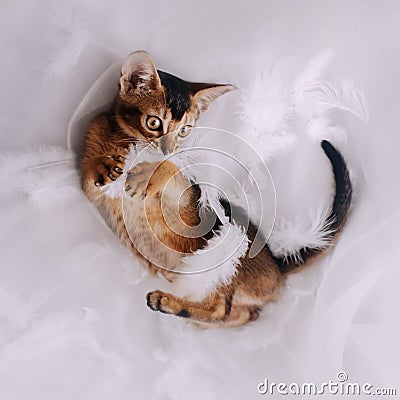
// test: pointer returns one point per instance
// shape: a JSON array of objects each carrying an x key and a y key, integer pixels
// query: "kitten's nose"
[
  {"x": 165, "y": 149},
  {"x": 167, "y": 145}
]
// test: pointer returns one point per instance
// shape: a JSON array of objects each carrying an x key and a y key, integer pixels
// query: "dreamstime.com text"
[{"x": 341, "y": 386}]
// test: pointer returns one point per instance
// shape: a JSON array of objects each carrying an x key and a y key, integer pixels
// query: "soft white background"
[{"x": 73, "y": 319}]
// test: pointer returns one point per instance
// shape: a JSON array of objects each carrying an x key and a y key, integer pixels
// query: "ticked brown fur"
[{"x": 146, "y": 92}]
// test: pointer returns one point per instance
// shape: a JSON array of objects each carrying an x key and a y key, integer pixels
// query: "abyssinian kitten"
[{"x": 151, "y": 105}]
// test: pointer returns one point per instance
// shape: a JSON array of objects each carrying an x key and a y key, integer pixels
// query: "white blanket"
[{"x": 73, "y": 318}]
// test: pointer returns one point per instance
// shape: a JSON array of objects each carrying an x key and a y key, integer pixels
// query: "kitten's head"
[{"x": 157, "y": 107}]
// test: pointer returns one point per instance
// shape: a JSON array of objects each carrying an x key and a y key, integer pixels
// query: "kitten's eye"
[
  {"x": 153, "y": 123},
  {"x": 185, "y": 131}
]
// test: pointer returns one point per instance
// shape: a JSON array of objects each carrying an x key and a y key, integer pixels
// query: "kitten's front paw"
[{"x": 108, "y": 169}]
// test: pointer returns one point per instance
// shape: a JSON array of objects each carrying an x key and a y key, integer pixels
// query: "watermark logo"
[
  {"x": 219, "y": 164},
  {"x": 340, "y": 386}
]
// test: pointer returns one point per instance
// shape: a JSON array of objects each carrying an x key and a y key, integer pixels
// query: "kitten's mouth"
[{"x": 167, "y": 151}]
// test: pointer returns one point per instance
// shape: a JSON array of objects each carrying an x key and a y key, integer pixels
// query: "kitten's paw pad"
[
  {"x": 109, "y": 169},
  {"x": 157, "y": 301},
  {"x": 152, "y": 300}
]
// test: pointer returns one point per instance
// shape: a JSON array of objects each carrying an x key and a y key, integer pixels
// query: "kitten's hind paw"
[
  {"x": 138, "y": 180},
  {"x": 166, "y": 303}
]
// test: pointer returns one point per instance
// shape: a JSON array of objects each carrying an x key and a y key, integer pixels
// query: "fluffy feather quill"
[
  {"x": 344, "y": 96},
  {"x": 266, "y": 109},
  {"x": 68, "y": 41}
]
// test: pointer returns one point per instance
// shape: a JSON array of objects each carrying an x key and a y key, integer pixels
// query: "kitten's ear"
[
  {"x": 205, "y": 93},
  {"x": 139, "y": 72}
]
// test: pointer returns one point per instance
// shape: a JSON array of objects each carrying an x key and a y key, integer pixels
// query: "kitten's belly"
[{"x": 145, "y": 239}]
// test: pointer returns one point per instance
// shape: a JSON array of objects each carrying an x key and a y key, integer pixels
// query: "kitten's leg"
[
  {"x": 231, "y": 305},
  {"x": 239, "y": 315},
  {"x": 215, "y": 311},
  {"x": 211, "y": 309},
  {"x": 98, "y": 171}
]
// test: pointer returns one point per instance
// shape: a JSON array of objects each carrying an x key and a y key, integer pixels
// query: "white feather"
[
  {"x": 275, "y": 145},
  {"x": 69, "y": 39},
  {"x": 314, "y": 70},
  {"x": 212, "y": 266},
  {"x": 267, "y": 104},
  {"x": 45, "y": 175},
  {"x": 268, "y": 108},
  {"x": 289, "y": 237},
  {"x": 114, "y": 190},
  {"x": 210, "y": 197},
  {"x": 321, "y": 96},
  {"x": 322, "y": 127},
  {"x": 266, "y": 111}
]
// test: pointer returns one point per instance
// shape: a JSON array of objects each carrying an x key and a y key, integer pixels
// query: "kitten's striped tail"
[{"x": 338, "y": 214}]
